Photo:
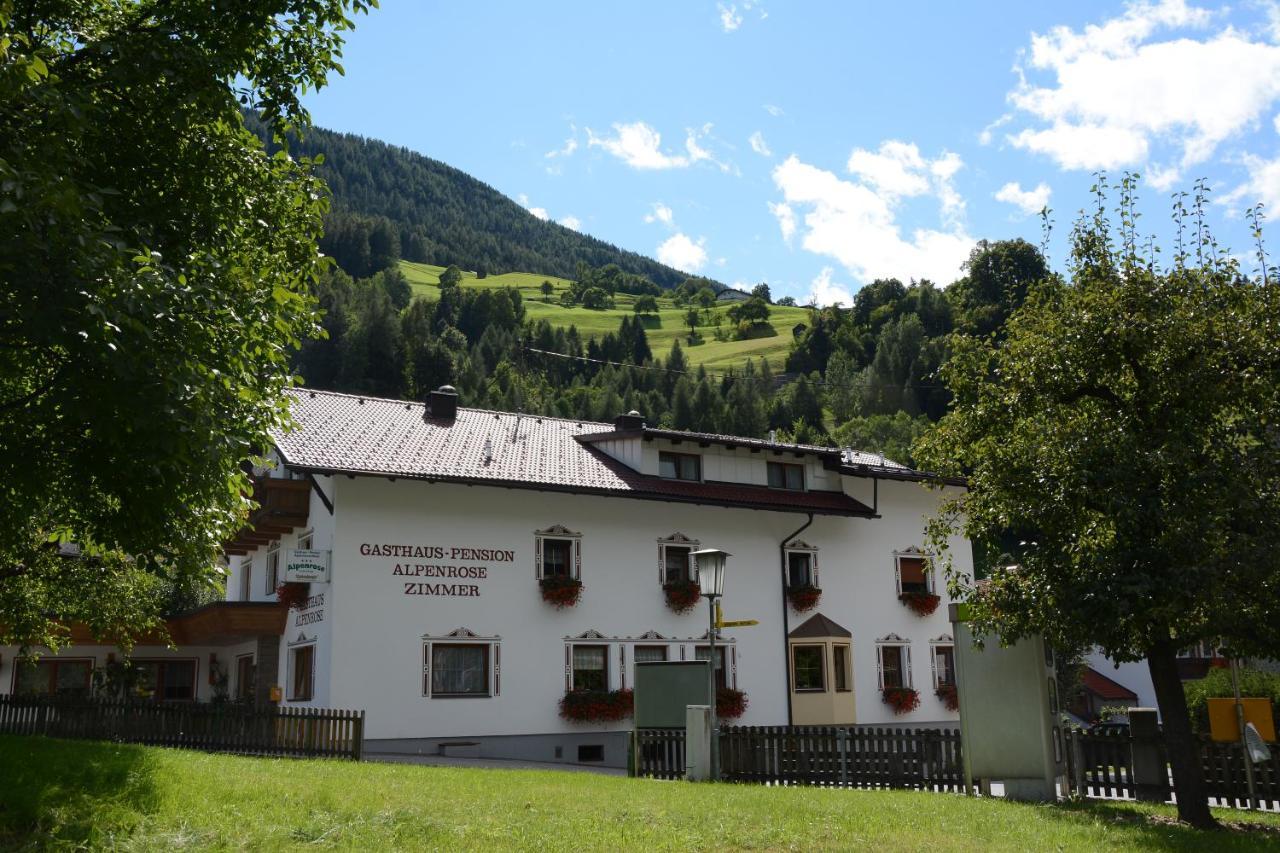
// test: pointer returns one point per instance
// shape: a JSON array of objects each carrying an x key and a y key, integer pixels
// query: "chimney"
[
  {"x": 631, "y": 420},
  {"x": 442, "y": 403}
]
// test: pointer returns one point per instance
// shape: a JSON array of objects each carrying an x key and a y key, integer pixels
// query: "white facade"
[{"x": 392, "y": 536}]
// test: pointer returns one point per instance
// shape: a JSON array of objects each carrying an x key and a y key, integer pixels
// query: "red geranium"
[
  {"x": 921, "y": 603},
  {"x": 903, "y": 700},
  {"x": 681, "y": 595},
  {"x": 730, "y": 703},
  {"x": 950, "y": 698},
  {"x": 293, "y": 595},
  {"x": 560, "y": 591},
  {"x": 587, "y": 706},
  {"x": 803, "y": 598}
]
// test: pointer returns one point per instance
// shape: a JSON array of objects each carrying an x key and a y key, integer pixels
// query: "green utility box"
[{"x": 665, "y": 688}]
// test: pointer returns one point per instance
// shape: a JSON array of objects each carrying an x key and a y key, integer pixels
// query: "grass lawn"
[
  {"x": 662, "y": 330},
  {"x": 67, "y": 794}
]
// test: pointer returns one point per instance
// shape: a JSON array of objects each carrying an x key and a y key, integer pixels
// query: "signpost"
[{"x": 306, "y": 566}]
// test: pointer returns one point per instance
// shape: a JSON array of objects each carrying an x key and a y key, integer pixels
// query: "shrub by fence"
[
  {"x": 316, "y": 732},
  {"x": 828, "y": 756}
]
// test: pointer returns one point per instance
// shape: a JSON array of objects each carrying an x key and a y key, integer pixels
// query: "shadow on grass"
[
  {"x": 71, "y": 793},
  {"x": 1158, "y": 829}
]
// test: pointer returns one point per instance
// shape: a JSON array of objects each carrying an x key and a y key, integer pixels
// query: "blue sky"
[{"x": 817, "y": 146}]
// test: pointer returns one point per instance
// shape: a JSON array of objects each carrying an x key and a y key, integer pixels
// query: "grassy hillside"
[
  {"x": 68, "y": 795},
  {"x": 662, "y": 329}
]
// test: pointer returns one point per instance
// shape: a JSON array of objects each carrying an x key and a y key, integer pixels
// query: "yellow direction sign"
[{"x": 738, "y": 623}]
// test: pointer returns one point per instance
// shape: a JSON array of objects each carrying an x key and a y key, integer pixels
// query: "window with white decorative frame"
[
  {"x": 558, "y": 553},
  {"x": 273, "y": 568},
  {"x": 802, "y": 565},
  {"x": 461, "y": 664},
  {"x": 913, "y": 571},
  {"x": 893, "y": 662},
  {"x": 944, "y": 662},
  {"x": 675, "y": 559}
]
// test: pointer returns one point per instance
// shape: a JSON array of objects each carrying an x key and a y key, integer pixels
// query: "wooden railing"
[
  {"x": 827, "y": 756},
  {"x": 317, "y": 732}
]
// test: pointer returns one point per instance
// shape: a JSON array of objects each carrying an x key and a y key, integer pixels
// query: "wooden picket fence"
[
  {"x": 826, "y": 756},
  {"x": 1100, "y": 765},
  {"x": 298, "y": 732}
]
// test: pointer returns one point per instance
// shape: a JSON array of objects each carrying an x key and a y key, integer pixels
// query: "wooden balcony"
[{"x": 283, "y": 506}]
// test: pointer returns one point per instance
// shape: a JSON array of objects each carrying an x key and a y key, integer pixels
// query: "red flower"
[
  {"x": 560, "y": 592},
  {"x": 921, "y": 603},
  {"x": 803, "y": 598},
  {"x": 586, "y": 706},
  {"x": 681, "y": 595},
  {"x": 950, "y": 698},
  {"x": 903, "y": 700},
  {"x": 293, "y": 595},
  {"x": 730, "y": 703}
]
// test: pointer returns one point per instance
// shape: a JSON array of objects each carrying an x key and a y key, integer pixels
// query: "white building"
[{"x": 442, "y": 523}]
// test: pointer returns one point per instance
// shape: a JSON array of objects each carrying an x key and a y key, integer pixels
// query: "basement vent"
[{"x": 592, "y": 752}]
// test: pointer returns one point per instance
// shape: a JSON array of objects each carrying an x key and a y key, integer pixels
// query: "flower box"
[
  {"x": 903, "y": 700},
  {"x": 682, "y": 595},
  {"x": 730, "y": 704},
  {"x": 803, "y": 598},
  {"x": 293, "y": 596},
  {"x": 560, "y": 592},
  {"x": 597, "y": 706},
  {"x": 950, "y": 699},
  {"x": 921, "y": 603}
]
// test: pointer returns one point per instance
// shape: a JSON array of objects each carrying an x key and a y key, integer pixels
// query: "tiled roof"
[
  {"x": 1104, "y": 688},
  {"x": 819, "y": 626},
  {"x": 368, "y": 435},
  {"x": 715, "y": 438}
]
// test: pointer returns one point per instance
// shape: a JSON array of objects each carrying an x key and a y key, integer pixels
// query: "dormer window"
[
  {"x": 784, "y": 476},
  {"x": 680, "y": 466}
]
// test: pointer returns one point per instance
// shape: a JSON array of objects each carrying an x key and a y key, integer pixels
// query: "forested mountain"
[{"x": 390, "y": 201}]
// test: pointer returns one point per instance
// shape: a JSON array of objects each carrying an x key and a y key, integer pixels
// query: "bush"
[{"x": 1254, "y": 683}]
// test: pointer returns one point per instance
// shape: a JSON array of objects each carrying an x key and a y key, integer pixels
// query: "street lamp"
[{"x": 710, "y": 563}]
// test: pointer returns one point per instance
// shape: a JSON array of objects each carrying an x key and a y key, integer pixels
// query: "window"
[
  {"x": 273, "y": 568},
  {"x": 677, "y": 564},
  {"x": 167, "y": 680},
  {"x": 944, "y": 666},
  {"x": 49, "y": 677},
  {"x": 895, "y": 665},
  {"x": 246, "y": 578},
  {"x": 913, "y": 574},
  {"x": 590, "y": 667},
  {"x": 304, "y": 541},
  {"x": 648, "y": 654},
  {"x": 784, "y": 476},
  {"x": 800, "y": 569},
  {"x": 704, "y": 653},
  {"x": 302, "y": 664},
  {"x": 557, "y": 558},
  {"x": 808, "y": 667},
  {"x": 841, "y": 664},
  {"x": 459, "y": 669},
  {"x": 246, "y": 678},
  {"x": 679, "y": 466}
]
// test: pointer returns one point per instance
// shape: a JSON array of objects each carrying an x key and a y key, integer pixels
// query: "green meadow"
[
  {"x": 76, "y": 795},
  {"x": 663, "y": 329}
]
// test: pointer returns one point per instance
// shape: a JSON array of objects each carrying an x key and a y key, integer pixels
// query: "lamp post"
[{"x": 710, "y": 563}]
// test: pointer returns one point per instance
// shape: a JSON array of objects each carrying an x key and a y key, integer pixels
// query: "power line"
[{"x": 710, "y": 374}]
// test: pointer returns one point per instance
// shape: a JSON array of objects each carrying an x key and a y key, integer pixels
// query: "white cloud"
[
  {"x": 1115, "y": 94},
  {"x": 855, "y": 222},
  {"x": 1262, "y": 185},
  {"x": 897, "y": 170},
  {"x": 786, "y": 219},
  {"x": 759, "y": 146},
  {"x": 683, "y": 253},
  {"x": 661, "y": 213},
  {"x": 730, "y": 19},
  {"x": 823, "y": 291},
  {"x": 540, "y": 212},
  {"x": 774, "y": 110},
  {"x": 984, "y": 138},
  {"x": 1028, "y": 201},
  {"x": 571, "y": 222},
  {"x": 570, "y": 145},
  {"x": 640, "y": 147}
]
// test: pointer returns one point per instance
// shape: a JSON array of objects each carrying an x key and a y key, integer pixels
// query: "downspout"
[{"x": 786, "y": 627}]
